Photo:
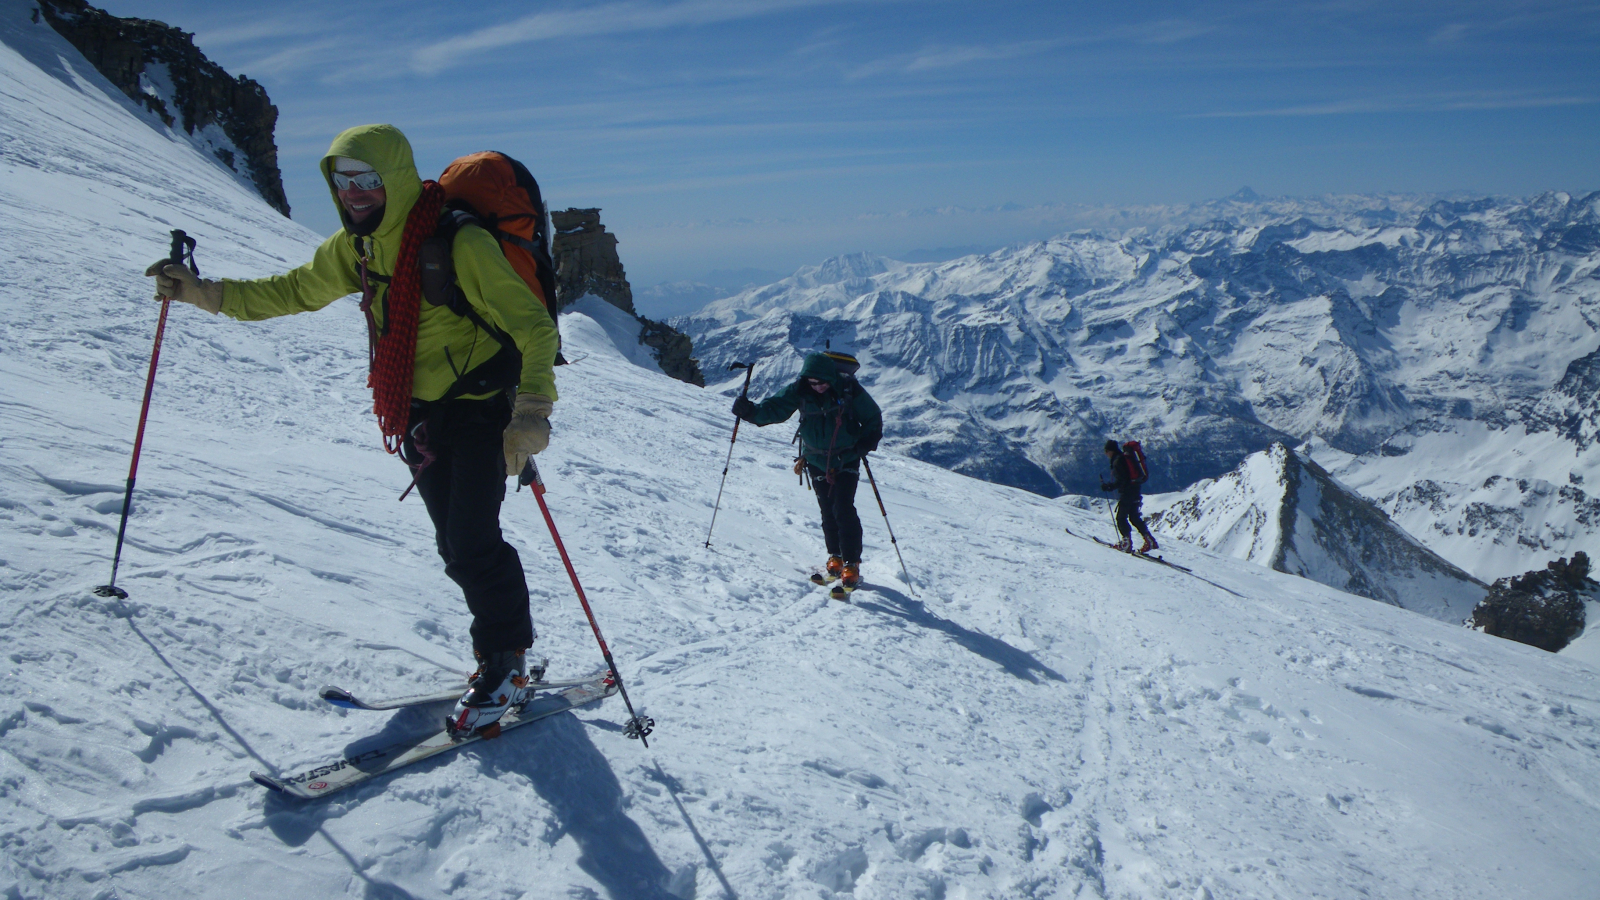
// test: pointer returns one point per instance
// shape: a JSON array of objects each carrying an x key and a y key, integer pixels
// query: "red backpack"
[{"x": 1138, "y": 471}]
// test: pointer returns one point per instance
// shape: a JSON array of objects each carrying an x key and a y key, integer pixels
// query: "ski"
[
  {"x": 841, "y": 592},
  {"x": 823, "y": 578},
  {"x": 1150, "y": 556},
  {"x": 338, "y": 696},
  {"x": 346, "y": 771}
]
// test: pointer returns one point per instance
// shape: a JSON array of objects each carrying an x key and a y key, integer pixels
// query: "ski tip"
[
  {"x": 268, "y": 782},
  {"x": 339, "y": 697}
]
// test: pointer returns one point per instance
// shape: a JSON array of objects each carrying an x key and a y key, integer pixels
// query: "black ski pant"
[
  {"x": 841, "y": 527},
  {"x": 1128, "y": 512},
  {"x": 458, "y": 443}
]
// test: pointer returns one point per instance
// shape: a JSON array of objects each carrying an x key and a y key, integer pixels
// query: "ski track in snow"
[{"x": 1045, "y": 718}]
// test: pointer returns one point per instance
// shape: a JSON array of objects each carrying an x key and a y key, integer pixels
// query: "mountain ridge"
[
  {"x": 1289, "y": 514},
  {"x": 1349, "y": 322}
]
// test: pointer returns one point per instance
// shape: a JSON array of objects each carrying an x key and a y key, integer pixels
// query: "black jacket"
[{"x": 1122, "y": 478}]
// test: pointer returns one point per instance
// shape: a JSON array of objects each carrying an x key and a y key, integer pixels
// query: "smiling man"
[{"x": 461, "y": 407}]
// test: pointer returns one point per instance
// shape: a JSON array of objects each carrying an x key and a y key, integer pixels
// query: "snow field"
[{"x": 1045, "y": 718}]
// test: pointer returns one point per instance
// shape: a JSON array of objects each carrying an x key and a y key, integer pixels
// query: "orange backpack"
[{"x": 498, "y": 194}]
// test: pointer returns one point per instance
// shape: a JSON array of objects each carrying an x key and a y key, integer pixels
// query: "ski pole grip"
[
  {"x": 182, "y": 246},
  {"x": 529, "y": 477},
  {"x": 749, "y": 369}
]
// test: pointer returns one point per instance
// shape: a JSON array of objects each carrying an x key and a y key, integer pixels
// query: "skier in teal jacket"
[{"x": 840, "y": 424}]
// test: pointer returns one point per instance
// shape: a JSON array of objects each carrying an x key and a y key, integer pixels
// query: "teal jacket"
[{"x": 837, "y": 427}]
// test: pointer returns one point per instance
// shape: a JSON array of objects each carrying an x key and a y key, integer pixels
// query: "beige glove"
[
  {"x": 178, "y": 283},
  {"x": 529, "y": 431}
]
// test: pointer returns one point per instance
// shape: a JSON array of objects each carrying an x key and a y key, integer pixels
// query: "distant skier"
[
  {"x": 839, "y": 424},
  {"x": 443, "y": 388},
  {"x": 1127, "y": 479}
]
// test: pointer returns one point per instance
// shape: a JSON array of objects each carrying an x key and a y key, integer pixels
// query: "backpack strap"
[{"x": 440, "y": 288}]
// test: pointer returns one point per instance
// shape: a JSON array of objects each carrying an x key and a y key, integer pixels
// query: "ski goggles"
[{"x": 366, "y": 181}]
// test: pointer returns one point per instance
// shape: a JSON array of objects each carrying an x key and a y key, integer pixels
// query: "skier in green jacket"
[
  {"x": 839, "y": 424},
  {"x": 463, "y": 412}
]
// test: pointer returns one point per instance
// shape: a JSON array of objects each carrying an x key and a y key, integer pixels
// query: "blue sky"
[{"x": 768, "y": 134}]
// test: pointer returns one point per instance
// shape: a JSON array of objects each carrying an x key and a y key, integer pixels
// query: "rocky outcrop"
[
  {"x": 674, "y": 350},
  {"x": 1572, "y": 407},
  {"x": 1542, "y": 608},
  {"x": 128, "y": 51},
  {"x": 586, "y": 260},
  {"x": 587, "y": 263}
]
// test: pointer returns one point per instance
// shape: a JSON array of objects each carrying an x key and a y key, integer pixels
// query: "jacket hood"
[
  {"x": 818, "y": 365},
  {"x": 385, "y": 149}
]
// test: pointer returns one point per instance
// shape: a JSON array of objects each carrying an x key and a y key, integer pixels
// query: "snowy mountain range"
[
  {"x": 1364, "y": 324},
  {"x": 1035, "y": 717},
  {"x": 1289, "y": 514}
]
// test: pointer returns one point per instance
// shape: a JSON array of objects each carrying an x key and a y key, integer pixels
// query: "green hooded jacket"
[
  {"x": 837, "y": 426},
  {"x": 447, "y": 344}
]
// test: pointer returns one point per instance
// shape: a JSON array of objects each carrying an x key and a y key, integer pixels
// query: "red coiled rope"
[{"x": 395, "y": 355}]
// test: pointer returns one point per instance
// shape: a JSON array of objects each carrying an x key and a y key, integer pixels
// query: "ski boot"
[
  {"x": 500, "y": 684},
  {"x": 831, "y": 573},
  {"x": 849, "y": 580},
  {"x": 1125, "y": 545},
  {"x": 1149, "y": 544}
]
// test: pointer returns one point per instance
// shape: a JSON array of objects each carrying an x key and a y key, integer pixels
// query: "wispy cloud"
[
  {"x": 1449, "y": 34},
  {"x": 610, "y": 18},
  {"x": 258, "y": 30},
  {"x": 310, "y": 54},
  {"x": 1167, "y": 31},
  {"x": 944, "y": 56},
  {"x": 1457, "y": 102}
]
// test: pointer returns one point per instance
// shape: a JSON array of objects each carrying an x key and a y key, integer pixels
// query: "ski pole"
[
  {"x": 749, "y": 369},
  {"x": 874, "y": 483},
  {"x": 638, "y": 726},
  {"x": 182, "y": 245}
]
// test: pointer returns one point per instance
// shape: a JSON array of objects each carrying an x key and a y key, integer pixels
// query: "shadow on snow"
[
  {"x": 1016, "y": 662},
  {"x": 555, "y": 756}
]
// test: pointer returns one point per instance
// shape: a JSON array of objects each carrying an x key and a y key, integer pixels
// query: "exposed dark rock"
[
  {"x": 202, "y": 91},
  {"x": 1543, "y": 608},
  {"x": 586, "y": 260},
  {"x": 587, "y": 263},
  {"x": 674, "y": 351},
  {"x": 1572, "y": 407}
]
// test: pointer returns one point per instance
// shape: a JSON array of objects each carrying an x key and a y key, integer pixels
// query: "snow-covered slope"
[
  {"x": 1358, "y": 323},
  {"x": 1289, "y": 514},
  {"x": 1047, "y": 718}
]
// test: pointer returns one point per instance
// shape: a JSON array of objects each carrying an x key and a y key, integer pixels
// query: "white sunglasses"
[{"x": 366, "y": 181}]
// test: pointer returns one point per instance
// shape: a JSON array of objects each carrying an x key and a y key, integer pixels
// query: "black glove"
[
  {"x": 744, "y": 409},
  {"x": 1107, "y": 487}
]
